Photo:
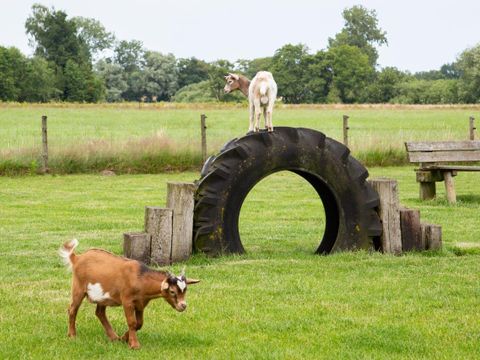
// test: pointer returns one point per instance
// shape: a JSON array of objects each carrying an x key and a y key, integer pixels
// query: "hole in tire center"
[{"x": 282, "y": 214}]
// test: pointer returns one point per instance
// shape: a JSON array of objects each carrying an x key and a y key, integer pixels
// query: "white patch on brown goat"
[
  {"x": 95, "y": 292},
  {"x": 181, "y": 284}
]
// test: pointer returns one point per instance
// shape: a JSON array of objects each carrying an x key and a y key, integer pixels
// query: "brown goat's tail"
[{"x": 67, "y": 254}]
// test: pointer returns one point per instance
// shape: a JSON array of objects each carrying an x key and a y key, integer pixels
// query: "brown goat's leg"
[
  {"x": 139, "y": 317},
  {"x": 77, "y": 298},
  {"x": 131, "y": 335},
  {"x": 102, "y": 316}
]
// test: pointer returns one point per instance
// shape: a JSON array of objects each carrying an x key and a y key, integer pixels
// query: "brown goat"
[{"x": 110, "y": 280}]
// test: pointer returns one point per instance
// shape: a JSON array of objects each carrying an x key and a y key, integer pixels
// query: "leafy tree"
[
  {"x": 161, "y": 76},
  {"x": 426, "y": 92},
  {"x": 13, "y": 66},
  {"x": 250, "y": 67},
  {"x": 361, "y": 30},
  {"x": 191, "y": 71},
  {"x": 55, "y": 37},
  {"x": 81, "y": 85},
  {"x": 39, "y": 84},
  {"x": 384, "y": 88},
  {"x": 93, "y": 34},
  {"x": 468, "y": 65},
  {"x": 450, "y": 71},
  {"x": 129, "y": 55},
  {"x": 318, "y": 77},
  {"x": 289, "y": 69},
  {"x": 351, "y": 72},
  {"x": 429, "y": 75},
  {"x": 113, "y": 77}
]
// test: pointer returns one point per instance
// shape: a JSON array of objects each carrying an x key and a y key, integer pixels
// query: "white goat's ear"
[
  {"x": 192, "y": 281},
  {"x": 165, "y": 285}
]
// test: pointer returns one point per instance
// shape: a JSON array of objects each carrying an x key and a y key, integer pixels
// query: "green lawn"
[
  {"x": 277, "y": 301},
  {"x": 113, "y": 135}
]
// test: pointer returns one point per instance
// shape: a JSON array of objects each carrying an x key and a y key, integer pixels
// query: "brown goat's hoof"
[
  {"x": 72, "y": 335},
  {"x": 134, "y": 346}
]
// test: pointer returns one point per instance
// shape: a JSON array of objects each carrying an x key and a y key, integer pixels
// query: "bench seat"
[{"x": 436, "y": 158}]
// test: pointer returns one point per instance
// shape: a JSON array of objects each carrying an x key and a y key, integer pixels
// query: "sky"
[{"x": 422, "y": 35}]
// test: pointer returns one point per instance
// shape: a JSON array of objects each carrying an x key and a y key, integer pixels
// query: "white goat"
[{"x": 261, "y": 92}]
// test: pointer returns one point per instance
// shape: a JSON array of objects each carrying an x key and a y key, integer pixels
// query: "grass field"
[
  {"x": 277, "y": 301},
  {"x": 152, "y": 139}
]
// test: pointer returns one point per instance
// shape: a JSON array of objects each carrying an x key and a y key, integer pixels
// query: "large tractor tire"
[{"x": 339, "y": 179}]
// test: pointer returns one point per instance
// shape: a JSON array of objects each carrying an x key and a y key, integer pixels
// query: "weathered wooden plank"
[
  {"x": 450, "y": 187},
  {"x": 387, "y": 189},
  {"x": 136, "y": 246},
  {"x": 180, "y": 199},
  {"x": 453, "y": 168},
  {"x": 158, "y": 224},
  {"x": 432, "y": 236},
  {"x": 444, "y": 156},
  {"x": 413, "y": 146},
  {"x": 411, "y": 230}
]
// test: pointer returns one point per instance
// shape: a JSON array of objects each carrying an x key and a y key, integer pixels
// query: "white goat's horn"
[{"x": 183, "y": 271}]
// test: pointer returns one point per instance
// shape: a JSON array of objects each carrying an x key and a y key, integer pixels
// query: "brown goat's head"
[
  {"x": 232, "y": 83},
  {"x": 174, "y": 289}
]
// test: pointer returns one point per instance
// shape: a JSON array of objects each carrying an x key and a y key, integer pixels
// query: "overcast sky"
[{"x": 422, "y": 34}]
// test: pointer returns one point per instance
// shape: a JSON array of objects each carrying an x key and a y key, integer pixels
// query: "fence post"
[
  {"x": 44, "y": 145},
  {"x": 203, "y": 125},
  {"x": 472, "y": 128},
  {"x": 345, "y": 130}
]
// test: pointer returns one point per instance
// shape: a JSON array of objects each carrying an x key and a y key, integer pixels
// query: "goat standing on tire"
[{"x": 261, "y": 92}]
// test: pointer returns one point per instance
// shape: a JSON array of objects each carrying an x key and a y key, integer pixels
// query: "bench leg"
[
  {"x": 427, "y": 190},
  {"x": 450, "y": 187}
]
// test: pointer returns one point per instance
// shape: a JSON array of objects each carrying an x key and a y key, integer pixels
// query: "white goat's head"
[{"x": 232, "y": 83}]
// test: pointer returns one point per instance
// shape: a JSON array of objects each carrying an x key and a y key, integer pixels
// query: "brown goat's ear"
[
  {"x": 165, "y": 285},
  {"x": 192, "y": 281},
  {"x": 235, "y": 76}
]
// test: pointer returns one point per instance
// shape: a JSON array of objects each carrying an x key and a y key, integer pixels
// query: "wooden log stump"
[
  {"x": 158, "y": 224},
  {"x": 136, "y": 246},
  {"x": 180, "y": 198},
  {"x": 411, "y": 230},
  {"x": 432, "y": 236},
  {"x": 391, "y": 240}
]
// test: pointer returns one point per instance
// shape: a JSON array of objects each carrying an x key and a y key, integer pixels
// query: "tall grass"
[{"x": 146, "y": 138}]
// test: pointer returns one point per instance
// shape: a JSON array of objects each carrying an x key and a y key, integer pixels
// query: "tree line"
[{"x": 77, "y": 60}]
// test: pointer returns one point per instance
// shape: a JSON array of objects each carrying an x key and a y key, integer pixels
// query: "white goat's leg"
[
  {"x": 269, "y": 116},
  {"x": 258, "y": 114},
  {"x": 251, "y": 118}
]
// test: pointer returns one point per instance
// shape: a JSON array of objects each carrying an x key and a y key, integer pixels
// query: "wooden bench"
[{"x": 436, "y": 158}]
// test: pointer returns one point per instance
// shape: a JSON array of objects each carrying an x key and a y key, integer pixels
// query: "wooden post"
[
  {"x": 427, "y": 179},
  {"x": 44, "y": 145},
  {"x": 432, "y": 236},
  {"x": 203, "y": 125},
  {"x": 450, "y": 187},
  {"x": 137, "y": 246},
  {"x": 345, "y": 130},
  {"x": 180, "y": 200},
  {"x": 472, "y": 128},
  {"x": 158, "y": 224},
  {"x": 411, "y": 230},
  {"x": 387, "y": 189}
]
